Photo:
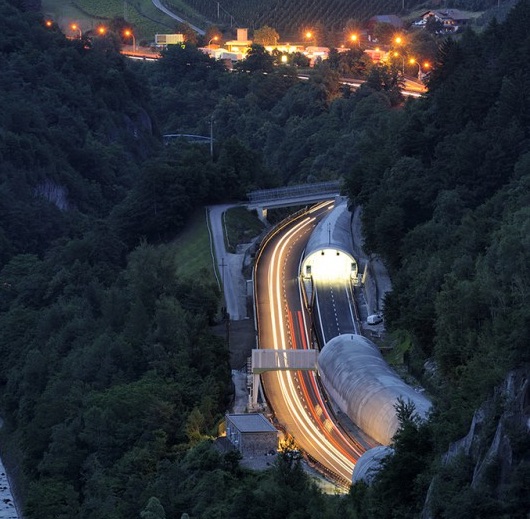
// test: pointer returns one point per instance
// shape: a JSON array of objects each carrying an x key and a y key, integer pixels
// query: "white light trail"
[{"x": 312, "y": 435}]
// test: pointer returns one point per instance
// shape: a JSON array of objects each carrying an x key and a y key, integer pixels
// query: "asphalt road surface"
[{"x": 295, "y": 397}]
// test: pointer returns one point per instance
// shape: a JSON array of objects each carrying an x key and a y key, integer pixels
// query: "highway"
[
  {"x": 335, "y": 308},
  {"x": 283, "y": 323}
]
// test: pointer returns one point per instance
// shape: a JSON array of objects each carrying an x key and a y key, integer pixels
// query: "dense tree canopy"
[{"x": 112, "y": 383}]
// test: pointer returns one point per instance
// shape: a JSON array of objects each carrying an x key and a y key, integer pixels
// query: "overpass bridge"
[
  {"x": 264, "y": 199},
  {"x": 279, "y": 360}
]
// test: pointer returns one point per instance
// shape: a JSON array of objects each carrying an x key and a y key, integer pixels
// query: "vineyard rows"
[{"x": 290, "y": 17}]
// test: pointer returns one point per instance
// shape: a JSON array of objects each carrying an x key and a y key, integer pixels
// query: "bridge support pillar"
[
  {"x": 255, "y": 390},
  {"x": 262, "y": 214}
]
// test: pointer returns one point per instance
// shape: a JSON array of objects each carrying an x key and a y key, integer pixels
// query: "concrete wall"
[{"x": 258, "y": 444}]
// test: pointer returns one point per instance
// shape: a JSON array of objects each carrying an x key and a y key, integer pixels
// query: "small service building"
[{"x": 251, "y": 434}]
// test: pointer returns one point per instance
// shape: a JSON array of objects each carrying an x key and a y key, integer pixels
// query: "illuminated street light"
[
  {"x": 76, "y": 27},
  {"x": 102, "y": 30},
  {"x": 310, "y": 36},
  {"x": 398, "y": 40},
  {"x": 48, "y": 23},
  {"x": 129, "y": 33},
  {"x": 355, "y": 39},
  {"x": 426, "y": 65},
  {"x": 215, "y": 38},
  {"x": 284, "y": 58}
]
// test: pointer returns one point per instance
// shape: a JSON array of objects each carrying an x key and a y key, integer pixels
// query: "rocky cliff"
[{"x": 493, "y": 459}]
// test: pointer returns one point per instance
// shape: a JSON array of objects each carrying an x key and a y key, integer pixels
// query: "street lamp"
[
  {"x": 215, "y": 38},
  {"x": 48, "y": 23},
  {"x": 309, "y": 36},
  {"x": 102, "y": 30},
  {"x": 76, "y": 27},
  {"x": 412, "y": 61},
  {"x": 355, "y": 39},
  {"x": 398, "y": 40},
  {"x": 130, "y": 33},
  {"x": 420, "y": 72},
  {"x": 396, "y": 55}
]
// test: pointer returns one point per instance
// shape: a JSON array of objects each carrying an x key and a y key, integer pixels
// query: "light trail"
[{"x": 312, "y": 438}]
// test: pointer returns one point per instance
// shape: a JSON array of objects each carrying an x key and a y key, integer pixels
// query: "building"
[
  {"x": 251, "y": 434},
  {"x": 163, "y": 40},
  {"x": 451, "y": 19},
  {"x": 241, "y": 44}
]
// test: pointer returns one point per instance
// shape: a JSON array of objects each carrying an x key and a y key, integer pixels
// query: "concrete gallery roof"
[
  {"x": 251, "y": 423},
  {"x": 364, "y": 386},
  {"x": 369, "y": 463},
  {"x": 332, "y": 232}
]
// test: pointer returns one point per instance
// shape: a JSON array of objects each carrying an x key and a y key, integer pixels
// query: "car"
[{"x": 374, "y": 319}]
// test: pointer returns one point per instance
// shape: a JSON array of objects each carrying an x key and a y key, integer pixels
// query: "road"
[
  {"x": 229, "y": 266},
  {"x": 282, "y": 324},
  {"x": 334, "y": 308},
  {"x": 165, "y": 10}
]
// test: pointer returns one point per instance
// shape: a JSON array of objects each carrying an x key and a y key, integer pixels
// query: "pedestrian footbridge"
[
  {"x": 264, "y": 199},
  {"x": 280, "y": 360}
]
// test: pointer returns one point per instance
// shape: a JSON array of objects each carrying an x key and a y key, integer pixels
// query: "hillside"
[
  {"x": 146, "y": 19},
  {"x": 292, "y": 18},
  {"x": 112, "y": 384}
]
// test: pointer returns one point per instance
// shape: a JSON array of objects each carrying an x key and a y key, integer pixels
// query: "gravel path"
[{"x": 229, "y": 265}]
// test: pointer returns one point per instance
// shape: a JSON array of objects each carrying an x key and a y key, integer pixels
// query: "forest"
[{"x": 112, "y": 384}]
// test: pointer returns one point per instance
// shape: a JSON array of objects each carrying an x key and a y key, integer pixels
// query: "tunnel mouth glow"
[{"x": 329, "y": 264}]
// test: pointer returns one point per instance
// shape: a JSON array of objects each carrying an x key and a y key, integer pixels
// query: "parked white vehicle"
[{"x": 374, "y": 319}]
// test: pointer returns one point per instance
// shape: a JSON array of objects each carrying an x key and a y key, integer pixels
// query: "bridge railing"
[{"x": 261, "y": 195}]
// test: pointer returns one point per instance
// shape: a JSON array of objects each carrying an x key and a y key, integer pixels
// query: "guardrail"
[{"x": 266, "y": 195}]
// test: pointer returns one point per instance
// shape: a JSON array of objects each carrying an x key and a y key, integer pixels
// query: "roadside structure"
[{"x": 251, "y": 434}]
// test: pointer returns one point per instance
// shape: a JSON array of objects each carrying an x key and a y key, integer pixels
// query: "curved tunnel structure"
[
  {"x": 351, "y": 367},
  {"x": 369, "y": 463},
  {"x": 328, "y": 251},
  {"x": 364, "y": 386}
]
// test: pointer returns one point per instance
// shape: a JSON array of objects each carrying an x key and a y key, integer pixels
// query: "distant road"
[
  {"x": 228, "y": 265},
  {"x": 165, "y": 10}
]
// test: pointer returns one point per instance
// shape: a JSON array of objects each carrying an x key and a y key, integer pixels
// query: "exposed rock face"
[
  {"x": 508, "y": 415},
  {"x": 54, "y": 193}
]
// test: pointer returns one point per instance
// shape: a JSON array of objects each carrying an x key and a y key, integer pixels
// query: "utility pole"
[
  {"x": 329, "y": 233},
  {"x": 223, "y": 265},
  {"x": 211, "y": 138},
  {"x": 226, "y": 315}
]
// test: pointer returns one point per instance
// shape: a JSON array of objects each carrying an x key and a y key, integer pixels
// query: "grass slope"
[
  {"x": 241, "y": 226},
  {"x": 144, "y": 17},
  {"x": 192, "y": 249}
]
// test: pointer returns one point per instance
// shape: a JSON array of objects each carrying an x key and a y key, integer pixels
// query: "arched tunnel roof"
[
  {"x": 364, "y": 386},
  {"x": 331, "y": 237},
  {"x": 369, "y": 463}
]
